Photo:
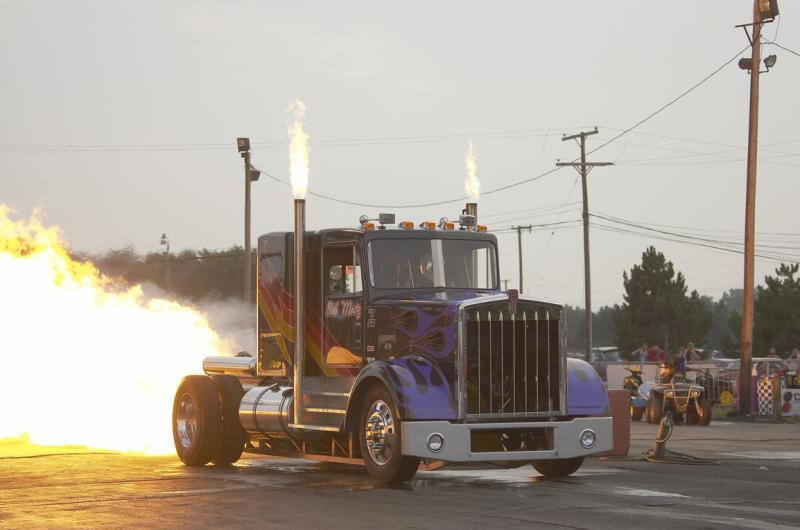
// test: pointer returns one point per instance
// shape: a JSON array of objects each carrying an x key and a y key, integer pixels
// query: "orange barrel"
[{"x": 620, "y": 404}]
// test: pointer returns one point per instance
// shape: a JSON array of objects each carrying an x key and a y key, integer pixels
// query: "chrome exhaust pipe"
[
  {"x": 472, "y": 209},
  {"x": 238, "y": 366},
  {"x": 299, "y": 306}
]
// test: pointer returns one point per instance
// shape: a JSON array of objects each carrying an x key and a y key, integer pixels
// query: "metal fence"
[{"x": 719, "y": 377}]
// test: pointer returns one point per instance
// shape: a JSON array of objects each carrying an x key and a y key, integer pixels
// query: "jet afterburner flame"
[
  {"x": 472, "y": 186},
  {"x": 86, "y": 359},
  {"x": 298, "y": 150}
]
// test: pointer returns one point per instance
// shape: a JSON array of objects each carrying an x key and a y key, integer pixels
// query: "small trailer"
[{"x": 404, "y": 351}]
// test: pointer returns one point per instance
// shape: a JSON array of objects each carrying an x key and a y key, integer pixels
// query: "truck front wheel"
[
  {"x": 196, "y": 420},
  {"x": 379, "y": 433},
  {"x": 558, "y": 468},
  {"x": 231, "y": 444}
]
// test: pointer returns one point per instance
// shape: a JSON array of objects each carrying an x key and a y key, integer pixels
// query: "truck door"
[{"x": 343, "y": 307}]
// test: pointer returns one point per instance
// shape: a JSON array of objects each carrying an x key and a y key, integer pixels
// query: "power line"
[
  {"x": 699, "y": 241},
  {"x": 540, "y": 175},
  {"x": 784, "y": 48},
  {"x": 666, "y": 232},
  {"x": 671, "y": 102},
  {"x": 772, "y": 259},
  {"x": 692, "y": 228},
  {"x": 340, "y": 142}
]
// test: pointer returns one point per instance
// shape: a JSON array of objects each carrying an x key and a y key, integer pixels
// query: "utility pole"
[
  {"x": 519, "y": 230},
  {"x": 763, "y": 11},
  {"x": 250, "y": 175},
  {"x": 505, "y": 284},
  {"x": 583, "y": 168}
]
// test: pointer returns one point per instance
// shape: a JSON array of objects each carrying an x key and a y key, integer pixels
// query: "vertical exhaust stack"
[
  {"x": 472, "y": 209},
  {"x": 299, "y": 306},
  {"x": 298, "y": 173}
]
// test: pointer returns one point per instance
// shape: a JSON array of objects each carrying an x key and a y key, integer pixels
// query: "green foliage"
[
  {"x": 723, "y": 336},
  {"x": 192, "y": 274},
  {"x": 776, "y": 312},
  {"x": 602, "y": 327},
  {"x": 656, "y": 308}
]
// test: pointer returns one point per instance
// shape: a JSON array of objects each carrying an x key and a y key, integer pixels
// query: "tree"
[
  {"x": 602, "y": 327},
  {"x": 726, "y": 322},
  {"x": 656, "y": 308},
  {"x": 776, "y": 312}
]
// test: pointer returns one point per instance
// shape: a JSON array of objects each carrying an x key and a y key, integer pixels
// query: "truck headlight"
[
  {"x": 588, "y": 439},
  {"x": 435, "y": 442}
]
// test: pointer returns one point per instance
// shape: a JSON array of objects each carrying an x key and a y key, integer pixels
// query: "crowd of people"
[
  {"x": 654, "y": 354},
  {"x": 687, "y": 354}
]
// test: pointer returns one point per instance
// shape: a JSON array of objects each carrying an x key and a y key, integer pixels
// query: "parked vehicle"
[
  {"x": 603, "y": 356},
  {"x": 632, "y": 383},
  {"x": 410, "y": 352},
  {"x": 673, "y": 395}
]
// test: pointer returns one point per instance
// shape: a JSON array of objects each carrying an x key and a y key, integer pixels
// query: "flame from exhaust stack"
[
  {"x": 472, "y": 186},
  {"x": 298, "y": 150},
  {"x": 85, "y": 359}
]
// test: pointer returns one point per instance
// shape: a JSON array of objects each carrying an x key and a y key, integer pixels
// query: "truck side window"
[{"x": 343, "y": 266}]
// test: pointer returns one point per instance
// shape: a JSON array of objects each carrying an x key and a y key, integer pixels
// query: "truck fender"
[
  {"x": 586, "y": 392},
  {"x": 418, "y": 387}
]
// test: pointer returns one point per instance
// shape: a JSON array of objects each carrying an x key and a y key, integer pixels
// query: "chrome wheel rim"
[
  {"x": 379, "y": 432},
  {"x": 186, "y": 421}
]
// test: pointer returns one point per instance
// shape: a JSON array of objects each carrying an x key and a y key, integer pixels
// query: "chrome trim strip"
[
  {"x": 313, "y": 427},
  {"x": 324, "y": 410}
]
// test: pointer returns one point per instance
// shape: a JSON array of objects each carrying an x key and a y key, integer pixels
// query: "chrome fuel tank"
[{"x": 267, "y": 410}]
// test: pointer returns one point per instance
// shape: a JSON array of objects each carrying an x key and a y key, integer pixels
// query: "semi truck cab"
[{"x": 412, "y": 354}]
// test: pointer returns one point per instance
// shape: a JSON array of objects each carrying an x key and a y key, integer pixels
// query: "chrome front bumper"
[{"x": 457, "y": 446}]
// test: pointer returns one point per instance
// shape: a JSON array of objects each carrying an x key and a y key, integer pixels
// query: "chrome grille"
[{"x": 512, "y": 362}]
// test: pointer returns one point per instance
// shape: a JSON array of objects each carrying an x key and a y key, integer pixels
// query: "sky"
[{"x": 119, "y": 121}]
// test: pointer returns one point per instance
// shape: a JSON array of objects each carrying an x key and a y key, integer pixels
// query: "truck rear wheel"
[
  {"x": 379, "y": 434},
  {"x": 231, "y": 444},
  {"x": 196, "y": 420},
  {"x": 558, "y": 468}
]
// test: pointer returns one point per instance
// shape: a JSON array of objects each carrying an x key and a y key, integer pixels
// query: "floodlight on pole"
[
  {"x": 165, "y": 242},
  {"x": 250, "y": 175},
  {"x": 770, "y": 61}
]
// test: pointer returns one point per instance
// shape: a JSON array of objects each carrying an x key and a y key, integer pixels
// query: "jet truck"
[{"x": 404, "y": 352}]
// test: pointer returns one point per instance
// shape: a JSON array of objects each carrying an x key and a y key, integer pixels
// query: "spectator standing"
[
  {"x": 640, "y": 355},
  {"x": 680, "y": 361},
  {"x": 793, "y": 363},
  {"x": 691, "y": 354},
  {"x": 772, "y": 354},
  {"x": 654, "y": 354}
]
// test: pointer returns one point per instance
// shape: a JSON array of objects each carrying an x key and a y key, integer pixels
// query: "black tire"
[
  {"x": 231, "y": 444},
  {"x": 655, "y": 408},
  {"x": 637, "y": 413},
  {"x": 395, "y": 467},
  {"x": 705, "y": 419},
  {"x": 558, "y": 468},
  {"x": 196, "y": 420}
]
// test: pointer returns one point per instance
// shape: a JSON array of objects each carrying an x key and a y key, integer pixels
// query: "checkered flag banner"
[{"x": 765, "y": 396}]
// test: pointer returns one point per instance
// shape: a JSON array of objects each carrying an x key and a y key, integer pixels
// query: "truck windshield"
[{"x": 421, "y": 263}]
